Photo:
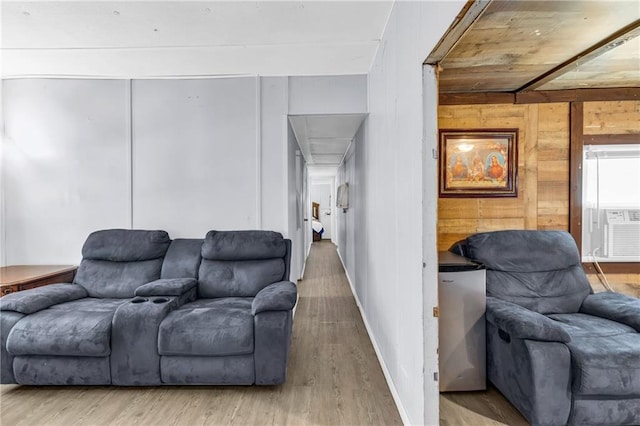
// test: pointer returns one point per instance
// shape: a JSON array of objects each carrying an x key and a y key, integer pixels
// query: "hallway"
[{"x": 332, "y": 356}]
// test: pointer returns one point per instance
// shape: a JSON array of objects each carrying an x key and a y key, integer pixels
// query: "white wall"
[
  {"x": 296, "y": 224},
  {"x": 65, "y": 166},
  {"x": 186, "y": 156},
  {"x": 429, "y": 237},
  {"x": 328, "y": 95},
  {"x": 352, "y": 245},
  {"x": 182, "y": 155},
  {"x": 387, "y": 190},
  {"x": 274, "y": 151},
  {"x": 196, "y": 155},
  {"x": 307, "y": 217}
]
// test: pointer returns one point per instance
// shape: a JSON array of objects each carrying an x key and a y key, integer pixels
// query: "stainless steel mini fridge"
[{"x": 462, "y": 302}]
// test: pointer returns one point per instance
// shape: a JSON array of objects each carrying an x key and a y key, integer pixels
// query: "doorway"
[{"x": 322, "y": 199}]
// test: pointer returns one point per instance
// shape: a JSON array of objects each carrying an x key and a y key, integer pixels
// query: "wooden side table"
[{"x": 23, "y": 277}]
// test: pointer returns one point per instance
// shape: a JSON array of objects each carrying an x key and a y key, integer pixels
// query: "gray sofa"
[
  {"x": 145, "y": 310},
  {"x": 558, "y": 352}
]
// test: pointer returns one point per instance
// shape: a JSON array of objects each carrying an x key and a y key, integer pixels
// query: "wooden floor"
[
  {"x": 485, "y": 408},
  {"x": 333, "y": 378}
]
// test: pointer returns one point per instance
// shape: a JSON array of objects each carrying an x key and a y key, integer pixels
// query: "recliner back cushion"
[
  {"x": 540, "y": 270},
  {"x": 117, "y": 261},
  {"x": 125, "y": 245},
  {"x": 240, "y": 263},
  {"x": 243, "y": 245}
]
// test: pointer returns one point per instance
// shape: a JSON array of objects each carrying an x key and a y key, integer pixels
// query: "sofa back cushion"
[
  {"x": 540, "y": 270},
  {"x": 182, "y": 259},
  {"x": 241, "y": 263},
  {"x": 117, "y": 261}
]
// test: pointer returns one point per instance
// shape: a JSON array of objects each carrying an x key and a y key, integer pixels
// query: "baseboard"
[
  {"x": 385, "y": 370},
  {"x": 304, "y": 263},
  {"x": 293, "y": 313}
]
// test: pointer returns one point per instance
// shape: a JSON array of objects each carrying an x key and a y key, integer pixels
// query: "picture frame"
[
  {"x": 342, "y": 198},
  {"x": 477, "y": 163}
]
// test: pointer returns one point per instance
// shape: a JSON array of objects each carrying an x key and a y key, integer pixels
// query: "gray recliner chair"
[{"x": 558, "y": 352}]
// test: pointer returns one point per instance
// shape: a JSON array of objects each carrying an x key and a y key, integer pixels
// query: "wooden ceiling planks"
[
  {"x": 513, "y": 43},
  {"x": 617, "y": 67}
]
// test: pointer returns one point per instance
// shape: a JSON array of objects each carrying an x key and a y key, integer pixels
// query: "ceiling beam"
[
  {"x": 471, "y": 11},
  {"x": 621, "y": 36},
  {"x": 541, "y": 96},
  {"x": 579, "y": 95},
  {"x": 477, "y": 98}
]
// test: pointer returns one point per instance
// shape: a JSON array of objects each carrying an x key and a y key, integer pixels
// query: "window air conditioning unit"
[{"x": 622, "y": 234}]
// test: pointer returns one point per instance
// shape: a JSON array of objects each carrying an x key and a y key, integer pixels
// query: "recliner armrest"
[
  {"x": 166, "y": 287},
  {"x": 37, "y": 299},
  {"x": 523, "y": 323},
  {"x": 280, "y": 296},
  {"x": 613, "y": 306}
]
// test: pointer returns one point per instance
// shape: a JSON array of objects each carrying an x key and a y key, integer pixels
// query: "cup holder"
[
  {"x": 139, "y": 300},
  {"x": 160, "y": 300}
]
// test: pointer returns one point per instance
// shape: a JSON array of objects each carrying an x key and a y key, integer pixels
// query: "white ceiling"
[
  {"x": 182, "y": 38},
  {"x": 324, "y": 139}
]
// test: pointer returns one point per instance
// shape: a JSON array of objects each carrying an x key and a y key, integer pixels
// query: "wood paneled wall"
[
  {"x": 612, "y": 118},
  {"x": 543, "y": 169},
  {"x": 543, "y": 172}
]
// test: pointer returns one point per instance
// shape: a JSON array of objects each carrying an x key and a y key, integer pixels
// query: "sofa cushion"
[
  {"x": 37, "y": 299},
  {"x": 117, "y": 261},
  {"x": 182, "y": 259},
  {"x": 91, "y": 304},
  {"x": 614, "y": 306},
  {"x": 243, "y": 245},
  {"x": 102, "y": 278},
  {"x": 583, "y": 325},
  {"x": 74, "y": 328},
  {"x": 607, "y": 365},
  {"x": 215, "y": 327},
  {"x": 125, "y": 245},
  {"x": 546, "y": 292},
  {"x": 242, "y": 303},
  {"x": 524, "y": 250},
  {"x": 245, "y": 278},
  {"x": 539, "y": 270},
  {"x": 523, "y": 323}
]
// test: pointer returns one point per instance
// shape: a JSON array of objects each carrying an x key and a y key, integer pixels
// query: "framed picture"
[{"x": 479, "y": 163}]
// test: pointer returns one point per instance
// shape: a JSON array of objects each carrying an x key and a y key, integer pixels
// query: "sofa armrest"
[
  {"x": 280, "y": 296},
  {"x": 523, "y": 323},
  {"x": 166, "y": 287},
  {"x": 614, "y": 306},
  {"x": 37, "y": 299}
]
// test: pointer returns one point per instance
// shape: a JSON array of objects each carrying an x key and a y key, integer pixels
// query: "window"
[{"x": 611, "y": 203}]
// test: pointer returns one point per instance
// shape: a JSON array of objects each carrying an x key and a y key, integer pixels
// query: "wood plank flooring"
[
  {"x": 334, "y": 377},
  {"x": 482, "y": 408}
]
